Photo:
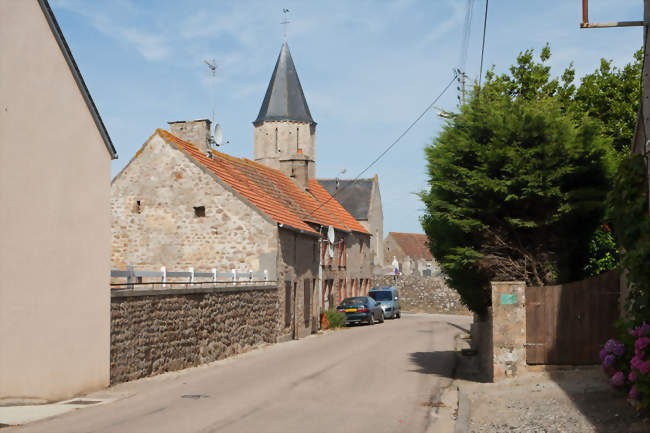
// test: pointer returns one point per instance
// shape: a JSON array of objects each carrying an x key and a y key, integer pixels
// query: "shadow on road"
[
  {"x": 444, "y": 364},
  {"x": 467, "y": 331}
]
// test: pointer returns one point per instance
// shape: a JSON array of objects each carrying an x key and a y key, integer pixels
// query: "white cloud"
[{"x": 152, "y": 46}]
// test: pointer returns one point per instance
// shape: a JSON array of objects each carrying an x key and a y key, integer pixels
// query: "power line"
[
  {"x": 480, "y": 74},
  {"x": 464, "y": 46},
  {"x": 426, "y": 110}
]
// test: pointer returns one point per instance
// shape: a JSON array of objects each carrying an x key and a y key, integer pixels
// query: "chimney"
[
  {"x": 296, "y": 167},
  {"x": 196, "y": 132}
]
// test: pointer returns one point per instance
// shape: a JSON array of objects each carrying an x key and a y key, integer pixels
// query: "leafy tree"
[
  {"x": 612, "y": 96},
  {"x": 517, "y": 187}
]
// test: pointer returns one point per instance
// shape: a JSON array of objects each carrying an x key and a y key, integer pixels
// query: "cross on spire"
[{"x": 285, "y": 22}]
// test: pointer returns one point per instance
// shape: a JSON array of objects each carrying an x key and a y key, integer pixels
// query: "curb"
[{"x": 462, "y": 420}]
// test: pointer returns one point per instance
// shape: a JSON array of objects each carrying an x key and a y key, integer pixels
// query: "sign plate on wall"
[{"x": 508, "y": 298}]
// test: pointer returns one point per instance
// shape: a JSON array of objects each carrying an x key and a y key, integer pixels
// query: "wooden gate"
[{"x": 568, "y": 324}]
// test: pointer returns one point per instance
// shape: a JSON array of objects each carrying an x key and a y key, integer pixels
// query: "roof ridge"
[{"x": 223, "y": 166}]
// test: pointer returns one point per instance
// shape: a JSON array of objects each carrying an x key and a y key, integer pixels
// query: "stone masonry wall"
[
  {"x": 155, "y": 223},
  {"x": 163, "y": 330},
  {"x": 424, "y": 294}
]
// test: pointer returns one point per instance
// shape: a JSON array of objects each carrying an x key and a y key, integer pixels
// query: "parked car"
[
  {"x": 361, "y": 309},
  {"x": 388, "y": 297}
]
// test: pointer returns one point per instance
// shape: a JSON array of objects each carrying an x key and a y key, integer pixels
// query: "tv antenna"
[
  {"x": 212, "y": 64},
  {"x": 285, "y": 22}
]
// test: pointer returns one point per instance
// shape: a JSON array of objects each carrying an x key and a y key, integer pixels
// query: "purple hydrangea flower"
[
  {"x": 619, "y": 349},
  {"x": 645, "y": 366},
  {"x": 602, "y": 354},
  {"x": 634, "y": 394},
  {"x": 632, "y": 376},
  {"x": 618, "y": 379},
  {"x": 609, "y": 360},
  {"x": 641, "y": 343},
  {"x": 636, "y": 362},
  {"x": 609, "y": 346}
]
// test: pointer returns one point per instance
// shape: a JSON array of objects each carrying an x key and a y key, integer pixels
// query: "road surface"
[{"x": 359, "y": 379}]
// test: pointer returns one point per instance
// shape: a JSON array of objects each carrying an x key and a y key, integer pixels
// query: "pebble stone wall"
[
  {"x": 424, "y": 294},
  {"x": 164, "y": 330}
]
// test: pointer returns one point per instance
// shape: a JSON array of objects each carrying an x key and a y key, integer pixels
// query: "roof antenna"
[
  {"x": 285, "y": 22},
  {"x": 216, "y": 138}
]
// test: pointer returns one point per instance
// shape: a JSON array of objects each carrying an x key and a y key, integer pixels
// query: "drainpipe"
[{"x": 320, "y": 274}]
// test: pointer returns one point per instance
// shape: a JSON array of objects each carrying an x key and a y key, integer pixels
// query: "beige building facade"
[
  {"x": 411, "y": 254},
  {"x": 55, "y": 217}
]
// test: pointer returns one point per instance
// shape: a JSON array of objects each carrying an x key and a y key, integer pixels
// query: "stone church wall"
[
  {"x": 424, "y": 294},
  {"x": 164, "y": 330}
]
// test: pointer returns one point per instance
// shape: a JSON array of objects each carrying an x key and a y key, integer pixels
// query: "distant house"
[
  {"x": 411, "y": 252},
  {"x": 55, "y": 156},
  {"x": 362, "y": 199}
]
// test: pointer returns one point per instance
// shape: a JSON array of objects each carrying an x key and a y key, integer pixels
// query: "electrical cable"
[
  {"x": 480, "y": 74},
  {"x": 464, "y": 46},
  {"x": 381, "y": 155}
]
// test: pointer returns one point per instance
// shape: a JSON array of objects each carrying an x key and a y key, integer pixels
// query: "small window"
[
  {"x": 199, "y": 211},
  {"x": 138, "y": 208}
]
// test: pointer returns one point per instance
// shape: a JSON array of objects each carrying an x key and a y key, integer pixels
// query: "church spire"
[{"x": 284, "y": 99}]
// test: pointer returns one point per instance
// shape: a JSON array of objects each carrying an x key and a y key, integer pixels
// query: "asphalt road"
[{"x": 360, "y": 379}]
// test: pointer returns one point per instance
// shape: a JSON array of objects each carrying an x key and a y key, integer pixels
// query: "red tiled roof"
[
  {"x": 334, "y": 207},
  {"x": 272, "y": 191},
  {"x": 228, "y": 170},
  {"x": 414, "y": 245},
  {"x": 310, "y": 209}
]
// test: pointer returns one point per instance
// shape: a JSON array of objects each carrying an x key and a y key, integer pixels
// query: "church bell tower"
[{"x": 284, "y": 132}]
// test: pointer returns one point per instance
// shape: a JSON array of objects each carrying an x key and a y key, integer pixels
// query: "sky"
[{"x": 368, "y": 69}]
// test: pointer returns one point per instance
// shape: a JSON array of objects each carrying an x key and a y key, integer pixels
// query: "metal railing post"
[
  {"x": 164, "y": 275},
  {"x": 130, "y": 277}
]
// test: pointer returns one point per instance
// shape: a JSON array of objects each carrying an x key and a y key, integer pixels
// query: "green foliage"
[
  {"x": 335, "y": 319},
  {"x": 632, "y": 224},
  {"x": 612, "y": 95},
  {"x": 603, "y": 254},
  {"x": 517, "y": 187}
]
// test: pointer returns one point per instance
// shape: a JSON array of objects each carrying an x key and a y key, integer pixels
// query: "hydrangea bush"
[{"x": 627, "y": 363}]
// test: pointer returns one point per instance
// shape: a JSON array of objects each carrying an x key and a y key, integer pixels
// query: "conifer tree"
[{"x": 517, "y": 185}]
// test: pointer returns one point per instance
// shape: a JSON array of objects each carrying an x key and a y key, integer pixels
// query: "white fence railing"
[{"x": 135, "y": 277}]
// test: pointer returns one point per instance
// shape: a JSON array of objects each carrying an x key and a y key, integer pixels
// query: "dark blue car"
[{"x": 361, "y": 309}]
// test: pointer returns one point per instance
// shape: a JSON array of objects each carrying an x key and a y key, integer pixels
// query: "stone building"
[
  {"x": 55, "y": 156},
  {"x": 179, "y": 204},
  {"x": 411, "y": 252},
  {"x": 285, "y": 138},
  {"x": 362, "y": 199}
]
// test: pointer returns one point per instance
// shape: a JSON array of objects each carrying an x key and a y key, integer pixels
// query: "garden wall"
[
  {"x": 424, "y": 294},
  {"x": 154, "y": 331}
]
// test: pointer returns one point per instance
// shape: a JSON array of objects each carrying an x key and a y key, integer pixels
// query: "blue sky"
[{"x": 368, "y": 68}]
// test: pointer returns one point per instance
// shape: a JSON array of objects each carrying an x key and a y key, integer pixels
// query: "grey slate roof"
[
  {"x": 67, "y": 54},
  {"x": 353, "y": 196},
  {"x": 284, "y": 99}
]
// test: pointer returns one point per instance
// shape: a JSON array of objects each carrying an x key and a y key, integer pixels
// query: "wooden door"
[{"x": 568, "y": 324}]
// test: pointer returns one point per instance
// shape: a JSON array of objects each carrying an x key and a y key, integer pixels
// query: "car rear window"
[
  {"x": 381, "y": 295},
  {"x": 354, "y": 301}
]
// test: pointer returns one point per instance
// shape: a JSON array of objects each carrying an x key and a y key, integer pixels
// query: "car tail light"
[{"x": 362, "y": 309}]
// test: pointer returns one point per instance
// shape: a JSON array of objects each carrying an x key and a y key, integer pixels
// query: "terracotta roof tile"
[
  {"x": 310, "y": 209},
  {"x": 334, "y": 207},
  {"x": 229, "y": 170},
  {"x": 273, "y": 192},
  {"x": 414, "y": 245}
]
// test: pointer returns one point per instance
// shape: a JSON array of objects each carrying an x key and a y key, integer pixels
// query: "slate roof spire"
[{"x": 284, "y": 99}]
